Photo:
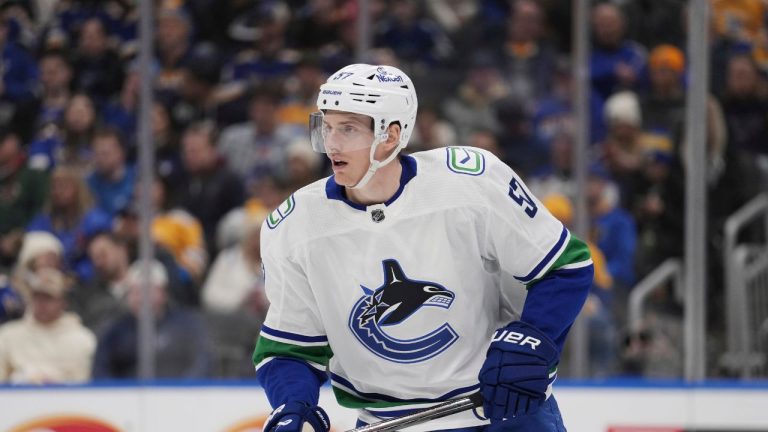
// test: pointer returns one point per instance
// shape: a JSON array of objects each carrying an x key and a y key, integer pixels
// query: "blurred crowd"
[{"x": 234, "y": 82}]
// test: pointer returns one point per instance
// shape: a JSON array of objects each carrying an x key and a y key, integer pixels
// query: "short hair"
[
  {"x": 56, "y": 53},
  {"x": 207, "y": 127},
  {"x": 109, "y": 132}
]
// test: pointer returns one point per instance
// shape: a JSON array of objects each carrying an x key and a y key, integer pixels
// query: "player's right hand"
[
  {"x": 295, "y": 417},
  {"x": 520, "y": 365}
]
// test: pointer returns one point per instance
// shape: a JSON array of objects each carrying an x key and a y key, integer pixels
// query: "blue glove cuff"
[{"x": 290, "y": 416}]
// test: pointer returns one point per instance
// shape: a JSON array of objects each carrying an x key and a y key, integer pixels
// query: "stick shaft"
[{"x": 438, "y": 411}]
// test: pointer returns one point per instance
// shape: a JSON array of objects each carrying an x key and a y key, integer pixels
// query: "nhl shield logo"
[
  {"x": 391, "y": 304},
  {"x": 377, "y": 215}
]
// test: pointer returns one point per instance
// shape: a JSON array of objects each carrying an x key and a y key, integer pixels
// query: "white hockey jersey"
[{"x": 407, "y": 294}]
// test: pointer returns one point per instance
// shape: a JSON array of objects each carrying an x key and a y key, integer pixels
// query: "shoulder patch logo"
[
  {"x": 281, "y": 212},
  {"x": 464, "y": 160},
  {"x": 393, "y": 302}
]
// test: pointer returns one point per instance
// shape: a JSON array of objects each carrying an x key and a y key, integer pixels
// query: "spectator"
[
  {"x": 301, "y": 95},
  {"x": 210, "y": 190},
  {"x": 657, "y": 22},
  {"x": 103, "y": 297},
  {"x": 68, "y": 213},
  {"x": 181, "y": 288},
  {"x": 71, "y": 15},
  {"x": 416, "y": 39},
  {"x": 432, "y": 131},
  {"x": 19, "y": 16},
  {"x": 183, "y": 349},
  {"x": 173, "y": 46},
  {"x": 622, "y": 150},
  {"x": 616, "y": 62},
  {"x": 663, "y": 108},
  {"x": 98, "y": 70},
  {"x": 268, "y": 58},
  {"x": 120, "y": 112},
  {"x": 49, "y": 345},
  {"x": 258, "y": 147},
  {"x": 179, "y": 232},
  {"x": 487, "y": 141},
  {"x": 315, "y": 25},
  {"x": 527, "y": 60},
  {"x": 303, "y": 164},
  {"x": 475, "y": 103},
  {"x": 111, "y": 181},
  {"x": 659, "y": 205},
  {"x": 195, "y": 98},
  {"x": 555, "y": 177},
  {"x": 22, "y": 192},
  {"x": 268, "y": 194},
  {"x": 613, "y": 229},
  {"x": 70, "y": 145},
  {"x": 552, "y": 113},
  {"x": 745, "y": 107},
  {"x": 111, "y": 261},
  {"x": 46, "y": 110},
  {"x": 235, "y": 280},
  {"x": 739, "y": 20},
  {"x": 167, "y": 148},
  {"x": 19, "y": 73},
  {"x": 39, "y": 250}
]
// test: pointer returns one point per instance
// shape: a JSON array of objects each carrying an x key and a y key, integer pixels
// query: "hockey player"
[{"x": 392, "y": 276}]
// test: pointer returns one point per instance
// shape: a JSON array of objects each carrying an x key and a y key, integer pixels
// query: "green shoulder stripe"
[
  {"x": 576, "y": 251},
  {"x": 266, "y": 348}
]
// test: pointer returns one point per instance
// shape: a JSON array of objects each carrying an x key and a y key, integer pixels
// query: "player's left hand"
[
  {"x": 297, "y": 417},
  {"x": 520, "y": 365}
]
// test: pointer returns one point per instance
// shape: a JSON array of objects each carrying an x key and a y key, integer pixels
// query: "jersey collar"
[{"x": 337, "y": 192}]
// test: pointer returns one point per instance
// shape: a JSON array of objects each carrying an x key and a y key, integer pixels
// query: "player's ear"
[{"x": 393, "y": 137}]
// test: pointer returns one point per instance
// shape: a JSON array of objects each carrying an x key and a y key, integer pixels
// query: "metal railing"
[
  {"x": 669, "y": 270},
  {"x": 746, "y": 292}
]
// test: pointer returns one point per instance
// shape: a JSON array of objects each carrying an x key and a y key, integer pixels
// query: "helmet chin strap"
[{"x": 375, "y": 165}]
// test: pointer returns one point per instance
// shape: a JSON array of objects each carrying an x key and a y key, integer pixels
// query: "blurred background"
[{"x": 233, "y": 82}]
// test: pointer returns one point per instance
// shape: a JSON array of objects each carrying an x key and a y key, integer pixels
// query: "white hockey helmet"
[{"x": 384, "y": 93}]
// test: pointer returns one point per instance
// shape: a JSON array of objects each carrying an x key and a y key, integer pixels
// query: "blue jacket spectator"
[
  {"x": 69, "y": 215},
  {"x": 112, "y": 179},
  {"x": 616, "y": 63},
  {"x": 19, "y": 71},
  {"x": 414, "y": 38},
  {"x": 613, "y": 229}
]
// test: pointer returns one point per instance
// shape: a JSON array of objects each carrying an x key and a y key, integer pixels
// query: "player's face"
[{"x": 348, "y": 138}]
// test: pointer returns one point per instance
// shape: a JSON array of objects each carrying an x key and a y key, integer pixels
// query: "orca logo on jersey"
[{"x": 391, "y": 304}]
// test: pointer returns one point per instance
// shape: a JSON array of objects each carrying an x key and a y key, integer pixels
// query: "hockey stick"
[{"x": 444, "y": 409}]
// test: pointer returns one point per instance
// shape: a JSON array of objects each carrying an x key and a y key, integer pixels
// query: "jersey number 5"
[{"x": 521, "y": 197}]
